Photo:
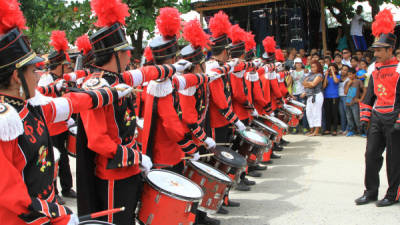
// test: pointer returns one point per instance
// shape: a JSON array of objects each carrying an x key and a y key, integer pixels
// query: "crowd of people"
[{"x": 341, "y": 84}]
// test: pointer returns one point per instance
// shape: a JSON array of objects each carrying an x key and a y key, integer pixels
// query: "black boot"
[
  {"x": 248, "y": 182},
  {"x": 232, "y": 204},
  {"x": 275, "y": 156},
  {"x": 366, "y": 198},
  {"x": 268, "y": 162},
  {"x": 203, "y": 219},
  {"x": 254, "y": 174},
  {"x": 222, "y": 210},
  {"x": 283, "y": 142},
  {"x": 241, "y": 186},
  {"x": 260, "y": 167},
  {"x": 69, "y": 194},
  {"x": 277, "y": 148}
]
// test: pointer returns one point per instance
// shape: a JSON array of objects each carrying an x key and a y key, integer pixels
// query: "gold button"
[{"x": 119, "y": 165}]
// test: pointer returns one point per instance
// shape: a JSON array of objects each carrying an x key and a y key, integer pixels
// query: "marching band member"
[
  {"x": 166, "y": 139},
  {"x": 26, "y": 154},
  {"x": 381, "y": 109},
  {"x": 59, "y": 63},
  {"x": 221, "y": 112}
]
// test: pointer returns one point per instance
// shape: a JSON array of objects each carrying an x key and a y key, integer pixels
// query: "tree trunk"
[
  {"x": 375, "y": 7},
  {"x": 137, "y": 43}
]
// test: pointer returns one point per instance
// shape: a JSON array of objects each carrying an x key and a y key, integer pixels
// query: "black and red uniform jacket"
[
  {"x": 166, "y": 139},
  {"x": 275, "y": 92},
  {"x": 221, "y": 111},
  {"x": 265, "y": 85},
  {"x": 256, "y": 94},
  {"x": 194, "y": 104},
  {"x": 383, "y": 92},
  {"x": 240, "y": 102},
  {"x": 282, "y": 84},
  {"x": 27, "y": 158}
]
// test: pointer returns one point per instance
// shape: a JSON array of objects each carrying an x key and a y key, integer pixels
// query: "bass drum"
[
  {"x": 94, "y": 222},
  {"x": 167, "y": 198}
]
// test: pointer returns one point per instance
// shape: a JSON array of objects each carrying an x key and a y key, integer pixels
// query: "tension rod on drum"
[{"x": 101, "y": 213}]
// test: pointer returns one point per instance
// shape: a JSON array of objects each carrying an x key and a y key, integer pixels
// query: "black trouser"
[
  {"x": 119, "y": 193},
  {"x": 381, "y": 135},
  {"x": 331, "y": 106},
  {"x": 64, "y": 170}
]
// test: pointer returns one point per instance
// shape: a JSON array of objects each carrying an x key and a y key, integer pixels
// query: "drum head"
[
  {"x": 229, "y": 157},
  {"x": 56, "y": 154},
  {"x": 265, "y": 127},
  {"x": 211, "y": 171},
  {"x": 73, "y": 130},
  {"x": 94, "y": 222},
  {"x": 292, "y": 110},
  {"x": 254, "y": 137},
  {"x": 174, "y": 185},
  {"x": 278, "y": 122}
]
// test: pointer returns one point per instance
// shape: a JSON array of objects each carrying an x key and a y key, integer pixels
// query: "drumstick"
[
  {"x": 133, "y": 90},
  {"x": 101, "y": 213},
  {"x": 201, "y": 156},
  {"x": 162, "y": 165}
]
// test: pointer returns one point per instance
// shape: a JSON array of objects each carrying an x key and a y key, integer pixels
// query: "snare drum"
[
  {"x": 297, "y": 104},
  {"x": 71, "y": 142},
  {"x": 292, "y": 115},
  {"x": 139, "y": 130},
  {"x": 94, "y": 222},
  {"x": 167, "y": 198},
  {"x": 268, "y": 131},
  {"x": 228, "y": 161},
  {"x": 278, "y": 125},
  {"x": 214, "y": 183},
  {"x": 56, "y": 160},
  {"x": 252, "y": 145}
]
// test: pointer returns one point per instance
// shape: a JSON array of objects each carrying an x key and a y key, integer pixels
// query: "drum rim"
[
  {"x": 291, "y": 107},
  {"x": 297, "y": 103},
  {"x": 223, "y": 161},
  {"x": 173, "y": 195},
  {"x": 265, "y": 126},
  {"x": 190, "y": 163},
  {"x": 280, "y": 121},
  {"x": 96, "y": 222},
  {"x": 258, "y": 145}
]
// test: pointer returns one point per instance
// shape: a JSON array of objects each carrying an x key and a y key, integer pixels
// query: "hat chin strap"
[
  {"x": 24, "y": 85},
  {"x": 118, "y": 62}
]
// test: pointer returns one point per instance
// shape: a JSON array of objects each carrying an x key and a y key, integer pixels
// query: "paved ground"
[{"x": 315, "y": 182}]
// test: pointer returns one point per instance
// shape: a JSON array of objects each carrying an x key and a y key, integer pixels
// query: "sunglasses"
[{"x": 346, "y": 52}]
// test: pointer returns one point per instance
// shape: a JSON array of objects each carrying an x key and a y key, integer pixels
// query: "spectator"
[
  {"x": 338, "y": 61},
  {"x": 313, "y": 90},
  {"x": 290, "y": 60},
  {"x": 362, "y": 72},
  {"x": 353, "y": 90},
  {"x": 356, "y": 30},
  {"x": 337, "y": 52},
  {"x": 303, "y": 56},
  {"x": 398, "y": 55},
  {"x": 341, "y": 40},
  {"x": 324, "y": 66},
  {"x": 298, "y": 89},
  {"x": 307, "y": 67},
  {"x": 315, "y": 57},
  {"x": 359, "y": 54},
  {"x": 331, "y": 101},
  {"x": 346, "y": 54},
  {"x": 354, "y": 63},
  {"x": 342, "y": 99},
  {"x": 368, "y": 58}
]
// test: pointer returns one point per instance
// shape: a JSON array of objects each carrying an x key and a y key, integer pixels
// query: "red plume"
[
  {"x": 193, "y": 33},
  {"x": 169, "y": 22},
  {"x": 269, "y": 44},
  {"x": 83, "y": 44},
  {"x": 249, "y": 43},
  {"x": 59, "y": 42},
  {"x": 11, "y": 16},
  {"x": 148, "y": 54},
  {"x": 109, "y": 12},
  {"x": 383, "y": 23},
  {"x": 279, "y": 55},
  {"x": 237, "y": 34},
  {"x": 219, "y": 24}
]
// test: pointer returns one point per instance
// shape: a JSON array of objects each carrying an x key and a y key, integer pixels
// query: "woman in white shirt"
[{"x": 298, "y": 90}]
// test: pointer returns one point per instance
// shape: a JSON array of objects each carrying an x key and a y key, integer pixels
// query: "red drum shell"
[
  {"x": 214, "y": 188},
  {"x": 252, "y": 149},
  {"x": 160, "y": 207},
  {"x": 71, "y": 142}
]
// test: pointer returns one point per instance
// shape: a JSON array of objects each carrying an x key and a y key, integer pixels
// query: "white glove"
[
  {"x": 233, "y": 62},
  {"x": 196, "y": 156},
  {"x": 210, "y": 143},
  {"x": 70, "y": 122},
  {"x": 240, "y": 126},
  {"x": 146, "y": 163},
  {"x": 74, "y": 220},
  {"x": 257, "y": 62},
  {"x": 123, "y": 90},
  {"x": 182, "y": 65},
  {"x": 254, "y": 113},
  {"x": 60, "y": 84},
  {"x": 214, "y": 75}
]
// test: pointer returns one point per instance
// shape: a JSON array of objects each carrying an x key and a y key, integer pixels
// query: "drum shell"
[
  {"x": 56, "y": 162},
  {"x": 156, "y": 208},
  {"x": 214, "y": 189},
  {"x": 252, "y": 153},
  {"x": 278, "y": 129},
  {"x": 272, "y": 136},
  {"x": 71, "y": 144}
]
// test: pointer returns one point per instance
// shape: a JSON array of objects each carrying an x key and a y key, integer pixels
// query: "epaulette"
[
  {"x": 160, "y": 88},
  {"x": 45, "y": 80},
  {"x": 39, "y": 99},
  {"x": 10, "y": 123},
  {"x": 95, "y": 82}
]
